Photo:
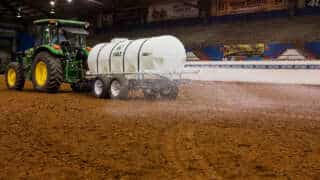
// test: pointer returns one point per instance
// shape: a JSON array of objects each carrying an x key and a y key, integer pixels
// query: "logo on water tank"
[
  {"x": 119, "y": 53},
  {"x": 146, "y": 54}
]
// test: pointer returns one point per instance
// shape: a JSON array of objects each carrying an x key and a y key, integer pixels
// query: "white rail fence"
[{"x": 286, "y": 72}]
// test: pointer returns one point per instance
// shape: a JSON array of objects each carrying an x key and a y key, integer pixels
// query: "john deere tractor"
[{"x": 59, "y": 56}]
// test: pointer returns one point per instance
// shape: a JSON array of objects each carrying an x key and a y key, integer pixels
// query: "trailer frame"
[{"x": 153, "y": 85}]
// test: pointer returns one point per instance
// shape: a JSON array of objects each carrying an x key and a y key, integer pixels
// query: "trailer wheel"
[
  {"x": 150, "y": 94},
  {"x": 100, "y": 88},
  {"x": 118, "y": 89},
  {"x": 170, "y": 92},
  {"x": 14, "y": 76}
]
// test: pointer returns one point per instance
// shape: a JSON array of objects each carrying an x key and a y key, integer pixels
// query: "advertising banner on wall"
[
  {"x": 230, "y": 7},
  {"x": 313, "y": 3},
  {"x": 260, "y": 51},
  {"x": 173, "y": 10},
  {"x": 243, "y": 51}
]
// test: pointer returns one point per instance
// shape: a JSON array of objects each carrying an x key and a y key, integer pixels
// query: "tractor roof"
[{"x": 62, "y": 22}]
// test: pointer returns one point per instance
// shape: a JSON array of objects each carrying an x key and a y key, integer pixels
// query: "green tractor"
[{"x": 59, "y": 56}]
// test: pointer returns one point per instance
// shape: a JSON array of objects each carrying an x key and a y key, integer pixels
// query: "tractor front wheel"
[
  {"x": 47, "y": 73},
  {"x": 14, "y": 76}
]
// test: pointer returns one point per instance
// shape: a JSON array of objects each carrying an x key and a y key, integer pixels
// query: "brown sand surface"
[{"x": 212, "y": 131}]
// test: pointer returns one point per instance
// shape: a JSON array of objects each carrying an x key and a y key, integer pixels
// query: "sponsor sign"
[
  {"x": 243, "y": 51},
  {"x": 229, "y": 7},
  {"x": 173, "y": 10}
]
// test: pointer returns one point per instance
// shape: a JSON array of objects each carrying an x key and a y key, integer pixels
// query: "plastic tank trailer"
[{"x": 152, "y": 65}]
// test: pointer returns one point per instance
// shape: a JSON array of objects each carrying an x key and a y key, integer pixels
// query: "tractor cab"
[{"x": 69, "y": 36}]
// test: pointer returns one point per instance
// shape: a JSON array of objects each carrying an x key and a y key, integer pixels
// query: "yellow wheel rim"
[
  {"x": 11, "y": 77},
  {"x": 41, "y": 73}
]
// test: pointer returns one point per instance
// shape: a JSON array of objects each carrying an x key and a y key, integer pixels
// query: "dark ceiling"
[{"x": 35, "y": 9}]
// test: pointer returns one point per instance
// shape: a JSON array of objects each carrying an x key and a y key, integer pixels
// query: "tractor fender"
[{"x": 49, "y": 49}]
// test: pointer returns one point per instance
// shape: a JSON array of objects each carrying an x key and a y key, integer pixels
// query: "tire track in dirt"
[
  {"x": 180, "y": 149},
  {"x": 169, "y": 150}
]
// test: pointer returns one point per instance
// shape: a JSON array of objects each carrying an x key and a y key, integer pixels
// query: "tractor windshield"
[{"x": 75, "y": 36}]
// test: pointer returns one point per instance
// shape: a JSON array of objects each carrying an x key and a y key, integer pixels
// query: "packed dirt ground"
[{"x": 212, "y": 131}]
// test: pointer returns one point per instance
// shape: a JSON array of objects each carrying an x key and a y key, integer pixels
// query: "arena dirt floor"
[{"x": 212, "y": 131}]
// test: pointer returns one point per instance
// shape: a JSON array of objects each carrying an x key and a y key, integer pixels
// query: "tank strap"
[
  {"x": 99, "y": 56},
  {"x": 139, "y": 52},
  {"x": 124, "y": 54},
  {"x": 110, "y": 55}
]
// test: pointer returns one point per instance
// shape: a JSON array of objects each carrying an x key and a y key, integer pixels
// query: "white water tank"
[{"x": 163, "y": 54}]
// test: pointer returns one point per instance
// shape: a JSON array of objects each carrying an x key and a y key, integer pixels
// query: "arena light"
[
  {"x": 52, "y": 11},
  {"x": 52, "y": 3},
  {"x": 19, "y": 13},
  {"x": 69, "y": 1},
  {"x": 96, "y": 2}
]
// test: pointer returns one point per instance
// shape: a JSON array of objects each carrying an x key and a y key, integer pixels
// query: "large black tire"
[
  {"x": 19, "y": 81},
  {"x": 54, "y": 72},
  {"x": 119, "y": 89},
  {"x": 100, "y": 88}
]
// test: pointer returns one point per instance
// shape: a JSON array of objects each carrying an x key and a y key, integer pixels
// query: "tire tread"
[
  {"x": 55, "y": 72},
  {"x": 20, "y": 78}
]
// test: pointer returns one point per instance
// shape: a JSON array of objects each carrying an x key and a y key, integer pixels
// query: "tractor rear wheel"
[
  {"x": 14, "y": 76},
  {"x": 47, "y": 73}
]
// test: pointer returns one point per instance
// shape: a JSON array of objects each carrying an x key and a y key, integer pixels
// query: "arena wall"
[
  {"x": 228, "y": 30},
  {"x": 284, "y": 72}
]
